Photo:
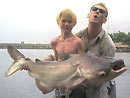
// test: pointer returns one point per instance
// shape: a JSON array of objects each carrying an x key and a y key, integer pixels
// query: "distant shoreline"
[
  {"x": 25, "y": 46},
  {"x": 46, "y": 46}
]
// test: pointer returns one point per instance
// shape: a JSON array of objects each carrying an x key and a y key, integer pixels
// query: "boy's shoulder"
[
  {"x": 55, "y": 39},
  {"x": 77, "y": 38}
]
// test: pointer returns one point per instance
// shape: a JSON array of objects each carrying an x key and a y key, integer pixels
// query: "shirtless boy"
[{"x": 66, "y": 42}]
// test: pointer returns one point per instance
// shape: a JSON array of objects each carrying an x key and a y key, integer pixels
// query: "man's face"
[
  {"x": 97, "y": 15},
  {"x": 66, "y": 24}
]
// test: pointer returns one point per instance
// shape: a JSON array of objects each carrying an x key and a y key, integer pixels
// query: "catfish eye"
[{"x": 102, "y": 73}]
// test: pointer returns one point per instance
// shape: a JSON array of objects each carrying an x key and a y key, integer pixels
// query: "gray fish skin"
[
  {"x": 51, "y": 74},
  {"x": 86, "y": 68}
]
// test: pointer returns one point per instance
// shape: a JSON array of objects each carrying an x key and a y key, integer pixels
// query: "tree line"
[{"x": 121, "y": 37}]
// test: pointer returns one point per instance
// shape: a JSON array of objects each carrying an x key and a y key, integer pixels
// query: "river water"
[{"x": 20, "y": 85}]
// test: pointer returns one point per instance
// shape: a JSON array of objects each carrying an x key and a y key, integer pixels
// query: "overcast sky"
[{"x": 34, "y": 21}]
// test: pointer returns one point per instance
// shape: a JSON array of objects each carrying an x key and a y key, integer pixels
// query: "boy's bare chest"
[{"x": 66, "y": 47}]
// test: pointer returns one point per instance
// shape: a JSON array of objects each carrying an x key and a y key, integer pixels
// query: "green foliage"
[{"x": 121, "y": 37}]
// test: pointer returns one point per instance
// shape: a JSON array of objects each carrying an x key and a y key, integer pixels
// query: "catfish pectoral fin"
[{"x": 42, "y": 87}]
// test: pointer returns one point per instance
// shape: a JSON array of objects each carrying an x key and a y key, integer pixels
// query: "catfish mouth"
[{"x": 118, "y": 65}]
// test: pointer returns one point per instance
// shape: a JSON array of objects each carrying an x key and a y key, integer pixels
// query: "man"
[{"x": 99, "y": 42}]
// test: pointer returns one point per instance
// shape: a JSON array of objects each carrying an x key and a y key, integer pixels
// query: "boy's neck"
[{"x": 66, "y": 35}]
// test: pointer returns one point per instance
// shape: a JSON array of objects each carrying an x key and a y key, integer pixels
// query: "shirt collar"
[{"x": 99, "y": 36}]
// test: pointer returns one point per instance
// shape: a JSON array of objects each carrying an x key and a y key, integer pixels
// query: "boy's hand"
[
  {"x": 25, "y": 67},
  {"x": 28, "y": 58}
]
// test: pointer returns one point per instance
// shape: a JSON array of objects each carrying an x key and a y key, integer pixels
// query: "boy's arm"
[
  {"x": 80, "y": 47},
  {"x": 53, "y": 46},
  {"x": 49, "y": 58}
]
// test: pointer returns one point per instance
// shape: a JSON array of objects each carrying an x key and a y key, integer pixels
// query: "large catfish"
[{"x": 70, "y": 73}]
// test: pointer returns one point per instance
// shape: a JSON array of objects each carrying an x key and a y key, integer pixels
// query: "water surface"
[{"x": 20, "y": 85}]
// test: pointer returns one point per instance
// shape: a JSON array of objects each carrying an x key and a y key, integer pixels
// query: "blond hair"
[
  {"x": 103, "y": 5},
  {"x": 67, "y": 13}
]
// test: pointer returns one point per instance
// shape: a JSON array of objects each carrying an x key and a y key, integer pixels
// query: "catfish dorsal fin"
[{"x": 14, "y": 53}]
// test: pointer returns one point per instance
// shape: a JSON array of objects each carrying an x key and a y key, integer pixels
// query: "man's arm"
[
  {"x": 110, "y": 51},
  {"x": 108, "y": 47}
]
